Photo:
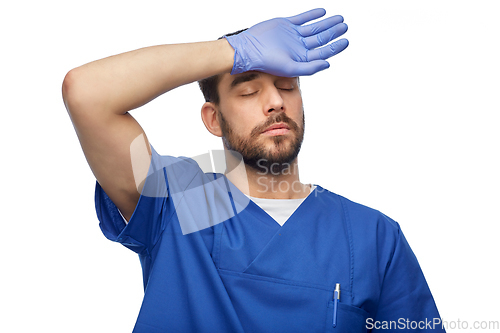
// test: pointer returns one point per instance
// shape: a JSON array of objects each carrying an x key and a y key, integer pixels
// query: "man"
[{"x": 251, "y": 249}]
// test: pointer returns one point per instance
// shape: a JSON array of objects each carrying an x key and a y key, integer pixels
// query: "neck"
[{"x": 268, "y": 183}]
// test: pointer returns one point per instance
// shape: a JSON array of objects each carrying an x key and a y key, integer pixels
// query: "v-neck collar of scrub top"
[
  {"x": 259, "y": 213},
  {"x": 280, "y": 210}
]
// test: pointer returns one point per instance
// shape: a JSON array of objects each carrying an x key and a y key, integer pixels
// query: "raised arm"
[{"x": 99, "y": 94}]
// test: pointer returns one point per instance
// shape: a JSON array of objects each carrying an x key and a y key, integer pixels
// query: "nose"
[{"x": 273, "y": 101}]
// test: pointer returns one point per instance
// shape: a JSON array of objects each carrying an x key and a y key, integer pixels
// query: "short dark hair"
[{"x": 209, "y": 86}]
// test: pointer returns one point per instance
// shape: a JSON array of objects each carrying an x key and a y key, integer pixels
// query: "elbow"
[
  {"x": 75, "y": 93},
  {"x": 68, "y": 83},
  {"x": 71, "y": 91},
  {"x": 68, "y": 89}
]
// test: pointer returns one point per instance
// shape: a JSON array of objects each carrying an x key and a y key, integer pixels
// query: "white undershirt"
[{"x": 279, "y": 209}]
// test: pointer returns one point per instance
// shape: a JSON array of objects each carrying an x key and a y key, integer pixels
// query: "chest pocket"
[
  {"x": 349, "y": 319},
  {"x": 274, "y": 305}
]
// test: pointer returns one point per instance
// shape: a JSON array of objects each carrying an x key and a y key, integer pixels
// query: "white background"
[{"x": 405, "y": 121}]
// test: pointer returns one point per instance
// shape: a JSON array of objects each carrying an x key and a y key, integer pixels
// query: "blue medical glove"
[{"x": 283, "y": 47}]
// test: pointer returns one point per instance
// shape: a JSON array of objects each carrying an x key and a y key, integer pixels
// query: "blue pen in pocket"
[{"x": 336, "y": 297}]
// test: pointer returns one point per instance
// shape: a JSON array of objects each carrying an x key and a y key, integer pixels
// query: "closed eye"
[{"x": 250, "y": 94}]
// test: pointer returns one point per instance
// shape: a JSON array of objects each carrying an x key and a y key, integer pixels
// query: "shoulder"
[
  {"x": 361, "y": 217},
  {"x": 176, "y": 165},
  {"x": 180, "y": 172}
]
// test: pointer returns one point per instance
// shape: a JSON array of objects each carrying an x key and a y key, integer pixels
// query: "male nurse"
[{"x": 247, "y": 247}]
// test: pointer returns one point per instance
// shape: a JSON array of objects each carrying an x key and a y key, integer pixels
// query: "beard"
[{"x": 256, "y": 151}]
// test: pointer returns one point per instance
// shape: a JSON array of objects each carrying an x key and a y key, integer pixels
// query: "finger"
[
  {"x": 326, "y": 36},
  {"x": 305, "y": 68},
  {"x": 315, "y": 28},
  {"x": 307, "y": 16},
  {"x": 328, "y": 51}
]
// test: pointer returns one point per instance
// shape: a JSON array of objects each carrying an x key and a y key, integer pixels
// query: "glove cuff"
[{"x": 240, "y": 64}]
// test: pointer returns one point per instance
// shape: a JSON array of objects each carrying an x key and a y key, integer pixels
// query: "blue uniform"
[{"x": 248, "y": 273}]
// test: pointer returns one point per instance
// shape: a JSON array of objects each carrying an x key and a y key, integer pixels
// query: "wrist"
[{"x": 227, "y": 54}]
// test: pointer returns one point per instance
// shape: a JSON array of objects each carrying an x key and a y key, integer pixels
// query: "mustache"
[{"x": 280, "y": 117}]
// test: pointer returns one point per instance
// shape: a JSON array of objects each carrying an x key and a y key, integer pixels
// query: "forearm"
[{"x": 126, "y": 81}]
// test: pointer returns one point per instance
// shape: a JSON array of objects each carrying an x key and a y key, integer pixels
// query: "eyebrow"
[{"x": 244, "y": 78}]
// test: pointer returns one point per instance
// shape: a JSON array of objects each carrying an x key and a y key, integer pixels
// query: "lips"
[{"x": 280, "y": 126}]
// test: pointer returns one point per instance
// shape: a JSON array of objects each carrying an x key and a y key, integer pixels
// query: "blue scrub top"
[{"x": 213, "y": 261}]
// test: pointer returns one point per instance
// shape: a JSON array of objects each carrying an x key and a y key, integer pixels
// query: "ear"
[{"x": 209, "y": 118}]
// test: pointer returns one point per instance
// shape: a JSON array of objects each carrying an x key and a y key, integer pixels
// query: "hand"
[{"x": 283, "y": 47}]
